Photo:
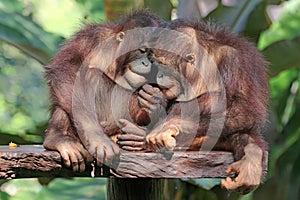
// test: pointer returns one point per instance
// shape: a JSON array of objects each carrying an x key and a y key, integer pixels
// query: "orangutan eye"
[
  {"x": 120, "y": 36},
  {"x": 143, "y": 50},
  {"x": 160, "y": 75},
  {"x": 189, "y": 58}
]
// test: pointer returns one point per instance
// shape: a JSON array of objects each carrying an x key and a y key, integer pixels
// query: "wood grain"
[{"x": 34, "y": 161}]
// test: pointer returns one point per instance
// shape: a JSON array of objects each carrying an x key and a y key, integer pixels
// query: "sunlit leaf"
[
  {"x": 21, "y": 189},
  {"x": 22, "y": 111},
  {"x": 287, "y": 26},
  {"x": 63, "y": 17},
  {"x": 282, "y": 82}
]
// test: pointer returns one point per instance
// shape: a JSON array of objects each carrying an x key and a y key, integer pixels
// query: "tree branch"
[{"x": 34, "y": 161}]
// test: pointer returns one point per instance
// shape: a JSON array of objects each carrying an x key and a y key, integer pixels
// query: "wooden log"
[
  {"x": 191, "y": 164},
  {"x": 34, "y": 161}
]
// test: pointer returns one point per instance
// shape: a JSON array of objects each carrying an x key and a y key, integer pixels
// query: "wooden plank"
[
  {"x": 192, "y": 164},
  {"x": 34, "y": 161}
]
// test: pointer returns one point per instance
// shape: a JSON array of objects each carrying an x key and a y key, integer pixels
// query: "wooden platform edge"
[{"x": 30, "y": 161}]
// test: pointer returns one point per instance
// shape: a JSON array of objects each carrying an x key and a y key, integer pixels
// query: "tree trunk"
[{"x": 135, "y": 188}]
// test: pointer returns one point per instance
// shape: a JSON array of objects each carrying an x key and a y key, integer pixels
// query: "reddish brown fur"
[
  {"x": 244, "y": 75},
  {"x": 61, "y": 74}
]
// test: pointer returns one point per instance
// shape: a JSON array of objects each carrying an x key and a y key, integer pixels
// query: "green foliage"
[
  {"x": 54, "y": 20},
  {"x": 78, "y": 188},
  {"x": 283, "y": 39},
  {"x": 234, "y": 16},
  {"x": 25, "y": 34},
  {"x": 93, "y": 10},
  {"x": 275, "y": 51},
  {"x": 161, "y": 8},
  {"x": 62, "y": 189},
  {"x": 281, "y": 30},
  {"x": 23, "y": 116},
  {"x": 206, "y": 183},
  {"x": 12, "y": 6},
  {"x": 30, "y": 33},
  {"x": 4, "y": 196},
  {"x": 23, "y": 95},
  {"x": 35, "y": 28}
]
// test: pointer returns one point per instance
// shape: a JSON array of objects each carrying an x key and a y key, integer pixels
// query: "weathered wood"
[
  {"x": 32, "y": 161},
  {"x": 192, "y": 164},
  {"x": 35, "y": 161}
]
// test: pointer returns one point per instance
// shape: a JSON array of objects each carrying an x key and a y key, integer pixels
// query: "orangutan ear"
[
  {"x": 104, "y": 56},
  {"x": 120, "y": 36},
  {"x": 222, "y": 53}
]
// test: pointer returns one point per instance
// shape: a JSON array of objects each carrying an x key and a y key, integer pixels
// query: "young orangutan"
[
  {"x": 219, "y": 87},
  {"x": 91, "y": 80}
]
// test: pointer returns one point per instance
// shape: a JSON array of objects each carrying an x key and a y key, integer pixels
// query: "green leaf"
[
  {"x": 12, "y": 5},
  {"x": 4, "y": 196},
  {"x": 257, "y": 22},
  {"x": 206, "y": 183},
  {"x": 290, "y": 152},
  {"x": 22, "y": 189},
  {"x": 278, "y": 52},
  {"x": 36, "y": 53},
  {"x": 287, "y": 120},
  {"x": 77, "y": 188},
  {"x": 281, "y": 83},
  {"x": 162, "y": 8},
  {"x": 285, "y": 99},
  {"x": 23, "y": 33},
  {"x": 234, "y": 16},
  {"x": 287, "y": 26},
  {"x": 59, "y": 188},
  {"x": 21, "y": 79},
  {"x": 93, "y": 10}
]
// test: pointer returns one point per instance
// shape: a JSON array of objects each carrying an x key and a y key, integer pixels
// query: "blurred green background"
[{"x": 31, "y": 31}]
